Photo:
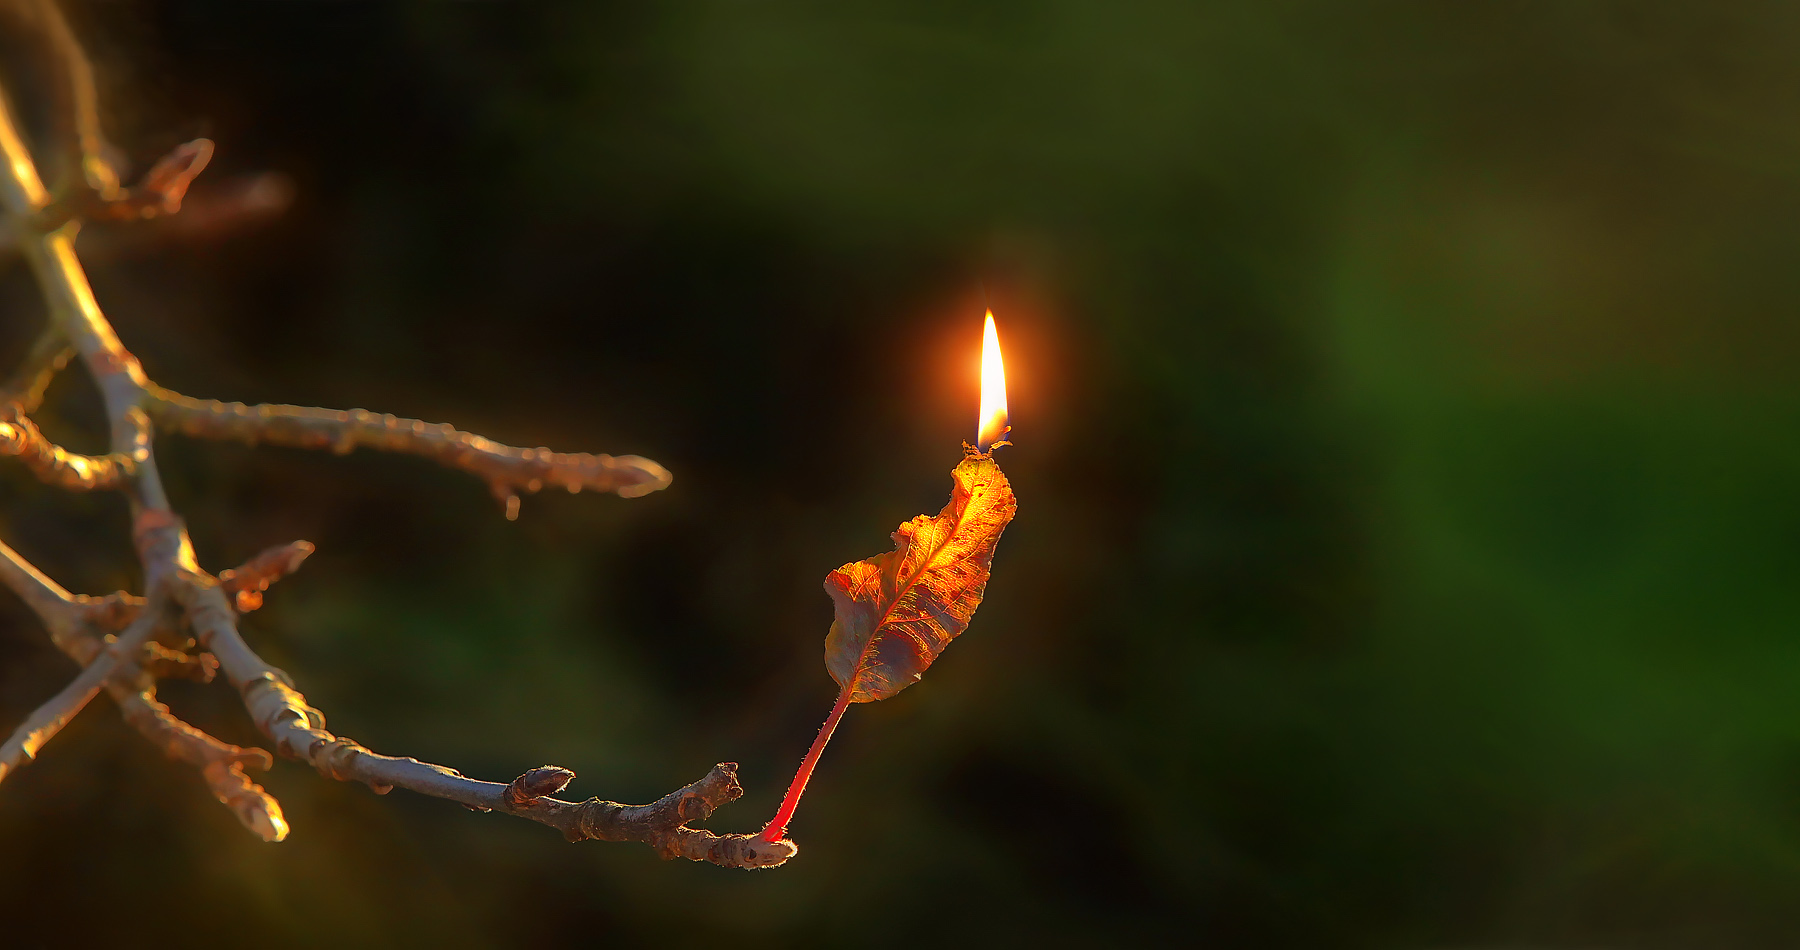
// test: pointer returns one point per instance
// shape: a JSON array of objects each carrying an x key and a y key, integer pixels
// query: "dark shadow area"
[{"x": 1405, "y": 410}]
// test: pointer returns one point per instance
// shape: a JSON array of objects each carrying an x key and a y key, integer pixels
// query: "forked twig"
[
  {"x": 298, "y": 731},
  {"x": 182, "y": 597},
  {"x": 52, "y": 463},
  {"x": 48, "y": 719},
  {"x": 76, "y": 624}
]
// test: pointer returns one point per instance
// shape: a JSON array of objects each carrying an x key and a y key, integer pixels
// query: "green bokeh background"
[{"x": 1406, "y": 412}]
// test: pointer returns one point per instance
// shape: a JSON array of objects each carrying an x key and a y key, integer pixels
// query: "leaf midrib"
[{"x": 900, "y": 595}]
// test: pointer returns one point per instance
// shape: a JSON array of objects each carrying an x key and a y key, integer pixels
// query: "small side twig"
[
  {"x": 163, "y": 663},
  {"x": 55, "y": 606},
  {"x": 159, "y": 193},
  {"x": 508, "y": 471},
  {"x": 75, "y": 144},
  {"x": 221, "y": 764},
  {"x": 298, "y": 731},
  {"x": 52, "y": 463},
  {"x": 246, "y": 583},
  {"x": 49, "y": 719},
  {"x": 76, "y": 622},
  {"x": 48, "y": 355},
  {"x": 172, "y": 574}
]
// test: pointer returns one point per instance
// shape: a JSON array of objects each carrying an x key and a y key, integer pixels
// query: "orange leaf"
[{"x": 897, "y": 611}]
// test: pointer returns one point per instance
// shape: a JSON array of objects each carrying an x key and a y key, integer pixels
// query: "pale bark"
[{"x": 180, "y": 598}]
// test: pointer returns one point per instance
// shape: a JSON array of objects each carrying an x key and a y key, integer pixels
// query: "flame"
[{"x": 991, "y": 427}]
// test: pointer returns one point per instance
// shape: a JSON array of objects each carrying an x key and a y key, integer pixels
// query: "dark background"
[{"x": 1409, "y": 538}]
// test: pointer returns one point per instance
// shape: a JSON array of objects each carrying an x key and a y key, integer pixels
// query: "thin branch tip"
[
  {"x": 55, "y": 465},
  {"x": 508, "y": 471},
  {"x": 126, "y": 642},
  {"x": 246, "y": 583},
  {"x": 159, "y": 193}
]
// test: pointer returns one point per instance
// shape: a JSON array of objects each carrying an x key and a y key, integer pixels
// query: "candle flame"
[{"x": 991, "y": 426}]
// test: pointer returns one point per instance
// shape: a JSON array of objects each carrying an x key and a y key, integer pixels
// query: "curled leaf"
[{"x": 897, "y": 611}]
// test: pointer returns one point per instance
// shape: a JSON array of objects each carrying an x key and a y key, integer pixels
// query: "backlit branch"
[
  {"x": 221, "y": 764},
  {"x": 118, "y": 658},
  {"x": 57, "y": 608},
  {"x": 245, "y": 584},
  {"x": 75, "y": 143},
  {"x": 164, "y": 663},
  {"x": 159, "y": 193},
  {"x": 54, "y": 464},
  {"x": 49, "y": 353},
  {"x": 508, "y": 471},
  {"x": 76, "y": 622},
  {"x": 298, "y": 731},
  {"x": 183, "y": 599}
]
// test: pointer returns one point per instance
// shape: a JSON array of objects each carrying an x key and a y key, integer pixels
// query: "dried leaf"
[{"x": 897, "y": 611}]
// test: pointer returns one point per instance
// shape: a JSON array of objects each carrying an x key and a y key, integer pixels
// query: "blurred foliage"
[{"x": 1405, "y": 407}]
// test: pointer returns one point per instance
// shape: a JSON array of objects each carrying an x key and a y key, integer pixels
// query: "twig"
[
  {"x": 77, "y": 147},
  {"x": 298, "y": 731},
  {"x": 507, "y": 470},
  {"x": 163, "y": 663},
  {"x": 237, "y": 204},
  {"x": 159, "y": 193},
  {"x": 277, "y": 708},
  {"x": 221, "y": 764},
  {"x": 72, "y": 620},
  {"x": 76, "y": 315},
  {"x": 246, "y": 584},
  {"x": 48, "y": 355},
  {"x": 54, "y": 464},
  {"x": 48, "y": 719},
  {"x": 46, "y": 598}
]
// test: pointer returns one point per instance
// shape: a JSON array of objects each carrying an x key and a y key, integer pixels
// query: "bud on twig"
[{"x": 537, "y": 783}]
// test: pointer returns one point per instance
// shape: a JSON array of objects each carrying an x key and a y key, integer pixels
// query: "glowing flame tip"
[{"x": 992, "y": 424}]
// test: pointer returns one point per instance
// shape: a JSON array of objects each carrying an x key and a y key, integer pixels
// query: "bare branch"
[
  {"x": 108, "y": 612},
  {"x": 76, "y": 147},
  {"x": 49, "y": 719},
  {"x": 159, "y": 193},
  {"x": 246, "y": 584},
  {"x": 76, "y": 315},
  {"x": 48, "y": 355},
  {"x": 507, "y": 470},
  {"x": 298, "y": 731},
  {"x": 46, "y": 598},
  {"x": 162, "y": 662},
  {"x": 221, "y": 764},
  {"x": 72, "y": 620},
  {"x": 171, "y": 571},
  {"x": 55, "y": 465}
]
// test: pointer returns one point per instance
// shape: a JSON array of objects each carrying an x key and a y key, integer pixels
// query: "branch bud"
[{"x": 537, "y": 783}]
